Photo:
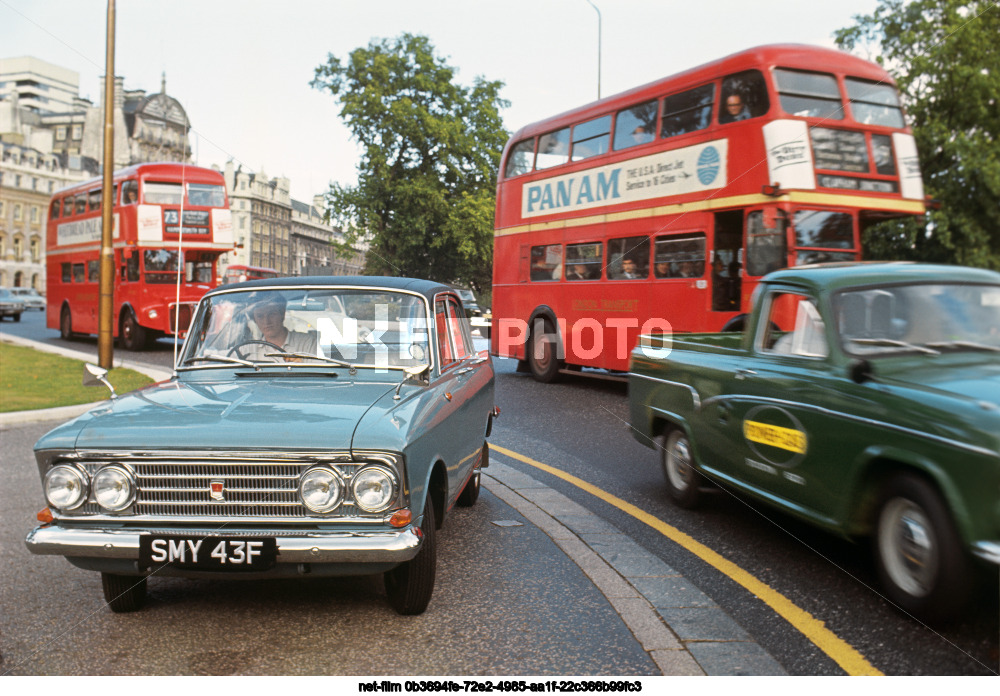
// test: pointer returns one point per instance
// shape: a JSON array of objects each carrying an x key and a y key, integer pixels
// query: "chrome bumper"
[{"x": 302, "y": 547}]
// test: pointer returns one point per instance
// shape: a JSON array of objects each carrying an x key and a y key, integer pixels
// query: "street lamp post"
[{"x": 598, "y": 47}]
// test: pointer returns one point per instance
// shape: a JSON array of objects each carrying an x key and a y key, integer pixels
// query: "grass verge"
[{"x": 31, "y": 379}]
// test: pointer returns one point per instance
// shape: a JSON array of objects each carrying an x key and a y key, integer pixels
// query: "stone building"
[
  {"x": 262, "y": 220},
  {"x": 312, "y": 243}
]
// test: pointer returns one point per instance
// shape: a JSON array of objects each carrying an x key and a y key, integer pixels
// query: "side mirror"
[
  {"x": 859, "y": 371},
  {"x": 94, "y": 376}
]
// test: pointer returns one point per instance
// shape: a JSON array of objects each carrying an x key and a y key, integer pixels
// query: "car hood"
[
  {"x": 975, "y": 380},
  {"x": 295, "y": 413}
]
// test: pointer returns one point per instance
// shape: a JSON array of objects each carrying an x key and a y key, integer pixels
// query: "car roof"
[
  {"x": 427, "y": 288},
  {"x": 834, "y": 276}
]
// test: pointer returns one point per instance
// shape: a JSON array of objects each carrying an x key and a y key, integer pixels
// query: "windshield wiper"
[
  {"x": 221, "y": 359},
  {"x": 967, "y": 345},
  {"x": 311, "y": 356},
  {"x": 890, "y": 343}
]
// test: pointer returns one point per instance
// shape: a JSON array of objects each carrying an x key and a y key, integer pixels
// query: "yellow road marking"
[{"x": 849, "y": 659}]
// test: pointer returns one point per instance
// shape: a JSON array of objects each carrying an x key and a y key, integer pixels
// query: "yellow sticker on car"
[{"x": 775, "y": 436}]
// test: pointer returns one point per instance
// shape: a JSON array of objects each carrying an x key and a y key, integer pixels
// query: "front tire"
[
  {"x": 918, "y": 552},
  {"x": 411, "y": 584},
  {"x": 133, "y": 336},
  {"x": 543, "y": 352},
  {"x": 65, "y": 324},
  {"x": 683, "y": 482},
  {"x": 123, "y": 593},
  {"x": 470, "y": 494}
]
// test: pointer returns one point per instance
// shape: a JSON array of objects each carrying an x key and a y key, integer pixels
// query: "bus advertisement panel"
[
  {"x": 170, "y": 221},
  {"x": 658, "y": 209}
]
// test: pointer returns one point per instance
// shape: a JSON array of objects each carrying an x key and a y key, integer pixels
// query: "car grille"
[{"x": 267, "y": 489}]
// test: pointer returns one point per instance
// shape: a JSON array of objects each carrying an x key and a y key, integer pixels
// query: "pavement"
[{"x": 683, "y": 630}]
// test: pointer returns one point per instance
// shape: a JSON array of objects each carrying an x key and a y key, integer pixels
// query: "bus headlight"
[
  {"x": 113, "y": 488},
  {"x": 65, "y": 487},
  {"x": 374, "y": 489},
  {"x": 321, "y": 489}
]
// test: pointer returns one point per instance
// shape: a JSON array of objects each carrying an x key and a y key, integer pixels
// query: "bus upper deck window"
[
  {"x": 636, "y": 125},
  {"x": 157, "y": 192},
  {"x": 809, "y": 94},
  {"x": 130, "y": 192},
  {"x": 519, "y": 159},
  {"x": 743, "y": 96},
  {"x": 875, "y": 104},
  {"x": 94, "y": 200},
  {"x": 81, "y": 204},
  {"x": 553, "y": 149},
  {"x": 207, "y": 195},
  {"x": 687, "y": 111},
  {"x": 591, "y": 138}
]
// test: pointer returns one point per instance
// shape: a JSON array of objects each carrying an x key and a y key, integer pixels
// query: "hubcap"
[
  {"x": 679, "y": 464},
  {"x": 907, "y": 546}
]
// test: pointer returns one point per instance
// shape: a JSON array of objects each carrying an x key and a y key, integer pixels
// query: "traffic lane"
[
  {"x": 507, "y": 601},
  {"x": 582, "y": 422}
]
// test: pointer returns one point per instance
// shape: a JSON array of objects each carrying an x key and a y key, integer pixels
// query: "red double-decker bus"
[
  {"x": 153, "y": 250},
  {"x": 659, "y": 209}
]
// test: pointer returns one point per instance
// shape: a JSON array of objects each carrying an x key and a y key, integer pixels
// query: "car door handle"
[{"x": 743, "y": 373}]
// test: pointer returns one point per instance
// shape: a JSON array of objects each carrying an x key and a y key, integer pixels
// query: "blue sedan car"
[{"x": 313, "y": 426}]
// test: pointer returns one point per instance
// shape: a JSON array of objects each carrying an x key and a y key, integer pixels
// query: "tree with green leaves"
[
  {"x": 943, "y": 55},
  {"x": 424, "y": 199}
]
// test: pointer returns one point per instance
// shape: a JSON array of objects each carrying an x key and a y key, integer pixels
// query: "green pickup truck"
[{"x": 863, "y": 398}]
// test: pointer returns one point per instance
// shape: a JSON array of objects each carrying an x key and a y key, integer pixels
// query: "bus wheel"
[
  {"x": 65, "y": 324},
  {"x": 133, "y": 336},
  {"x": 543, "y": 353}
]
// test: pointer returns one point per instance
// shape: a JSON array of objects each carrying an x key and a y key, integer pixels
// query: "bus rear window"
[
  {"x": 809, "y": 94},
  {"x": 162, "y": 193}
]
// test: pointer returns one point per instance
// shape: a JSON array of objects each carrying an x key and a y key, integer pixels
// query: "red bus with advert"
[
  {"x": 658, "y": 209},
  {"x": 153, "y": 250},
  {"x": 237, "y": 274}
]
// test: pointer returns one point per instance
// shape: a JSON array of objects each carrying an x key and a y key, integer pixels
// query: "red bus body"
[
  {"x": 699, "y": 184},
  {"x": 148, "y": 242},
  {"x": 237, "y": 274}
]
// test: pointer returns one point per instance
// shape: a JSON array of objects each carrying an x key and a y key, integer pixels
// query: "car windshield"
[
  {"x": 309, "y": 326},
  {"x": 924, "y": 318}
]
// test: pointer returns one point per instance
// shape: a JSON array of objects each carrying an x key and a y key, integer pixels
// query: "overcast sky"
[{"x": 241, "y": 68}]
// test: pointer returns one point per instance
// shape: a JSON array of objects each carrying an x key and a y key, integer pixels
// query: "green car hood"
[
  {"x": 294, "y": 413},
  {"x": 974, "y": 380}
]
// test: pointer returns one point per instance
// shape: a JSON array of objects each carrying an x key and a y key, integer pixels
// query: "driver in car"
[{"x": 269, "y": 315}]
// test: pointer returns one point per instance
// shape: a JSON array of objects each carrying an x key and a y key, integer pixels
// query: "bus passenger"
[{"x": 736, "y": 109}]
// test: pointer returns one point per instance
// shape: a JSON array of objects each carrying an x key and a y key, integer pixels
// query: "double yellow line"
[{"x": 849, "y": 659}]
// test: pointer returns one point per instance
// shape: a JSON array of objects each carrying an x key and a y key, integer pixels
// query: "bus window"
[
  {"x": 553, "y": 149},
  {"x": 67, "y": 272},
  {"x": 80, "y": 207},
  {"x": 823, "y": 230},
  {"x": 155, "y": 192},
  {"x": 132, "y": 267},
  {"x": 591, "y": 138},
  {"x": 207, "y": 194},
  {"x": 546, "y": 262},
  {"x": 94, "y": 200},
  {"x": 93, "y": 271},
  {"x": 628, "y": 258},
  {"x": 67, "y": 206},
  {"x": 79, "y": 272},
  {"x": 55, "y": 209},
  {"x": 636, "y": 125},
  {"x": 885, "y": 162},
  {"x": 873, "y": 103},
  {"x": 519, "y": 159},
  {"x": 809, "y": 94},
  {"x": 680, "y": 256},
  {"x": 744, "y": 95},
  {"x": 767, "y": 248},
  {"x": 688, "y": 111},
  {"x": 130, "y": 192},
  {"x": 726, "y": 257},
  {"x": 583, "y": 261},
  {"x": 160, "y": 265}
]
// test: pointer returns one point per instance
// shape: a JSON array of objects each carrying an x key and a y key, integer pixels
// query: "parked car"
[
  {"x": 314, "y": 426},
  {"x": 10, "y": 304},
  {"x": 479, "y": 318},
  {"x": 32, "y": 300},
  {"x": 864, "y": 399}
]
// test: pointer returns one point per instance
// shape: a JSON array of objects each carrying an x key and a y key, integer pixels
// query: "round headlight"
[
  {"x": 65, "y": 487},
  {"x": 374, "y": 489},
  {"x": 321, "y": 489},
  {"x": 113, "y": 488}
]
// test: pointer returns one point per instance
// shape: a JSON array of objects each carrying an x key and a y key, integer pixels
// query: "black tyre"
[
  {"x": 918, "y": 552},
  {"x": 683, "y": 482},
  {"x": 543, "y": 352},
  {"x": 132, "y": 335},
  {"x": 470, "y": 494},
  {"x": 411, "y": 584},
  {"x": 65, "y": 324},
  {"x": 123, "y": 593},
  {"x": 17, "y": 317}
]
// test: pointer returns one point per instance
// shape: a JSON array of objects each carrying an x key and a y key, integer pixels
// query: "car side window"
[{"x": 793, "y": 326}]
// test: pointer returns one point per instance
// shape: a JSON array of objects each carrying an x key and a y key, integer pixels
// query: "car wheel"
[
  {"x": 470, "y": 494},
  {"x": 543, "y": 353},
  {"x": 918, "y": 551},
  {"x": 683, "y": 482},
  {"x": 65, "y": 324},
  {"x": 411, "y": 584},
  {"x": 17, "y": 317},
  {"x": 133, "y": 336},
  {"x": 123, "y": 593}
]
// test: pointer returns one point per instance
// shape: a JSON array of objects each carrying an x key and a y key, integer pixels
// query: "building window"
[
  {"x": 18, "y": 248},
  {"x": 60, "y": 132},
  {"x": 34, "y": 251},
  {"x": 77, "y": 131},
  {"x": 17, "y": 212}
]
